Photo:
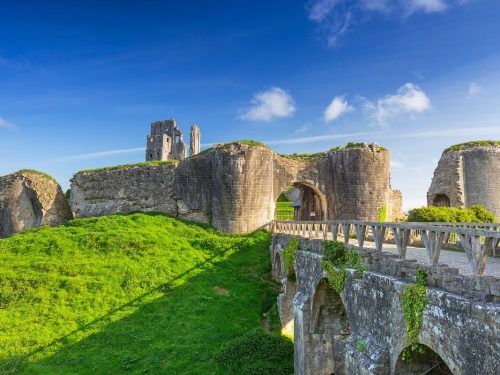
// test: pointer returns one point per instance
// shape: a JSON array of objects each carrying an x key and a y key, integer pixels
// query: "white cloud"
[
  {"x": 100, "y": 154},
  {"x": 474, "y": 91},
  {"x": 408, "y": 99},
  {"x": 336, "y": 17},
  {"x": 486, "y": 131},
  {"x": 6, "y": 124},
  {"x": 337, "y": 107},
  {"x": 269, "y": 105},
  {"x": 426, "y": 6},
  {"x": 302, "y": 129}
]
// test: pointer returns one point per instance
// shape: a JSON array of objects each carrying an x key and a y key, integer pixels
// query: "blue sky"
[{"x": 80, "y": 83}]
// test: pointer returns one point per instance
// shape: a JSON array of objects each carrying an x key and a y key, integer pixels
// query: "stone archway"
[
  {"x": 329, "y": 331},
  {"x": 441, "y": 200},
  {"x": 313, "y": 204},
  {"x": 425, "y": 361}
]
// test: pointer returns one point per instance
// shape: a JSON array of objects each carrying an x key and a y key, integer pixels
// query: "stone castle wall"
[
  {"x": 30, "y": 200},
  {"x": 467, "y": 177},
  {"x": 234, "y": 187},
  {"x": 138, "y": 188},
  {"x": 361, "y": 182}
]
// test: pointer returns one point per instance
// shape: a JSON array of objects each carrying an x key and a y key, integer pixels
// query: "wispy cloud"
[
  {"x": 6, "y": 124},
  {"x": 94, "y": 155},
  {"x": 302, "y": 129},
  {"x": 409, "y": 98},
  {"x": 474, "y": 92},
  {"x": 269, "y": 105},
  {"x": 336, "y": 17},
  {"x": 337, "y": 107},
  {"x": 491, "y": 131}
]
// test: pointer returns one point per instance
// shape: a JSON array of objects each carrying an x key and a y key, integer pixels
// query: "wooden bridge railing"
[{"x": 477, "y": 239}]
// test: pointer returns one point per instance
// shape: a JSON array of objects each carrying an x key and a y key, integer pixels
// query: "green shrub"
[
  {"x": 250, "y": 354},
  {"x": 473, "y": 214},
  {"x": 414, "y": 300},
  {"x": 382, "y": 213},
  {"x": 336, "y": 258},
  {"x": 282, "y": 198},
  {"x": 360, "y": 345}
]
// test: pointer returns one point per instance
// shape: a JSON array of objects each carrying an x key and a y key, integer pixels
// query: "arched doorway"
[
  {"x": 312, "y": 204},
  {"x": 329, "y": 331},
  {"x": 423, "y": 361},
  {"x": 441, "y": 200}
]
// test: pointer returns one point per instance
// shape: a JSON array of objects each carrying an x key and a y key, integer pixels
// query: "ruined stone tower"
[
  {"x": 468, "y": 174},
  {"x": 166, "y": 142},
  {"x": 194, "y": 144}
]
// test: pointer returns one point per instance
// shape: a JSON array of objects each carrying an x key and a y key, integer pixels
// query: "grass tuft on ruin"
[
  {"x": 473, "y": 144},
  {"x": 34, "y": 171},
  {"x": 137, "y": 293},
  {"x": 125, "y": 166},
  {"x": 350, "y": 145},
  {"x": 433, "y": 214}
]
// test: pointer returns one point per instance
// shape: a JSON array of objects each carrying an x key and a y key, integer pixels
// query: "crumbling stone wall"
[
  {"x": 235, "y": 186},
  {"x": 467, "y": 177},
  {"x": 29, "y": 199},
  {"x": 135, "y": 188},
  {"x": 459, "y": 326}
]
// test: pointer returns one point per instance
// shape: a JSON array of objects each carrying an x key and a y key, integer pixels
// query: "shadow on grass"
[{"x": 175, "y": 328}]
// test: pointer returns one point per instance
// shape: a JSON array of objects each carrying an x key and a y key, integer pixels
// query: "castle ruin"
[
  {"x": 466, "y": 175},
  {"x": 166, "y": 141}
]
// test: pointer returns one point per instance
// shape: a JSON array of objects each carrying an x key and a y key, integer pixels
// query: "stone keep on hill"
[
  {"x": 466, "y": 175},
  {"x": 235, "y": 186},
  {"x": 29, "y": 199}
]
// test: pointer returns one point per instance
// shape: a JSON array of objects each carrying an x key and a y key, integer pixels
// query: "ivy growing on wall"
[
  {"x": 289, "y": 254},
  {"x": 414, "y": 299},
  {"x": 336, "y": 259}
]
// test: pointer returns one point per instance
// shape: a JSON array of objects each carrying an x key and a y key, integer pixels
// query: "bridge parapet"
[{"x": 478, "y": 240}]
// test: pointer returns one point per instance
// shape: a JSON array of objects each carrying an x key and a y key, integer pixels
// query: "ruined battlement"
[
  {"x": 166, "y": 141},
  {"x": 467, "y": 175}
]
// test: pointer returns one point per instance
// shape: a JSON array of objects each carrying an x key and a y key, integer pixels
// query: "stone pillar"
[{"x": 194, "y": 145}]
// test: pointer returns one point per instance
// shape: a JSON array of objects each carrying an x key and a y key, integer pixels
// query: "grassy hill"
[{"x": 138, "y": 294}]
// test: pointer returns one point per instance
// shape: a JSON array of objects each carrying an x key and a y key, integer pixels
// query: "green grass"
[
  {"x": 284, "y": 211},
  {"x": 131, "y": 294},
  {"x": 245, "y": 142},
  {"x": 472, "y": 144},
  {"x": 349, "y": 145},
  {"x": 34, "y": 171},
  {"x": 123, "y": 166},
  {"x": 305, "y": 157}
]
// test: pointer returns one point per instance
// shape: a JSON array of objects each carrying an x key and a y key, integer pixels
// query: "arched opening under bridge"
[
  {"x": 330, "y": 331},
  {"x": 421, "y": 360}
]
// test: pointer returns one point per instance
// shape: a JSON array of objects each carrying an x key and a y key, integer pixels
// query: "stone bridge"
[{"x": 362, "y": 330}]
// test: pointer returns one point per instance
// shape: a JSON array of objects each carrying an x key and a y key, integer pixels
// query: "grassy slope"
[{"x": 128, "y": 294}]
